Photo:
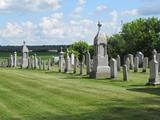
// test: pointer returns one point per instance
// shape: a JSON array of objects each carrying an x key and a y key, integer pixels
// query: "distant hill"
[{"x": 42, "y": 48}]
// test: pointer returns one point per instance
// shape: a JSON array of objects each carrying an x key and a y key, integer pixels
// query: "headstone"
[
  {"x": 25, "y": 56},
  {"x": 158, "y": 60},
  {"x": 75, "y": 64},
  {"x": 113, "y": 65},
  {"x": 36, "y": 62},
  {"x": 136, "y": 64},
  {"x": 125, "y": 73},
  {"x": 61, "y": 60},
  {"x": 72, "y": 59},
  {"x": 127, "y": 62},
  {"x": 154, "y": 78},
  {"x": 154, "y": 52},
  {"x": 40, "y": 63},
  {"x": 100, "y": 58},
  {"x": 11, "y": 61},
  {"x": 49, "y": 64},
  {"x": 131, "y": 57},
  {"x": 44, "y": 65},
  {"x": 81, "y": 68},
  {"x": 15, "y": 59},
  {"x": 68, "y": 68},
  {"x": 118, "y": 63},
  {"x": 140, "y": 56},
  {"x": 29, "y": 63},
  {"x": 145, "y": 64},
  {"x": 32, "y": 62},
  {"x": 83, "y": 61},
  {"x": 88, "y": 64}
]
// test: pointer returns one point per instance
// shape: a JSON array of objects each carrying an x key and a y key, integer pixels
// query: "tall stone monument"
[
  {"x": 15, "y": 59},
  {"x": 25, "y": 55},
  {"x": 61, "y": 60},
  {"x": 100, "y": 59}
]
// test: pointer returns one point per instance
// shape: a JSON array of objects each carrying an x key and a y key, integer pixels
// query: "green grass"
[{"x": 43, "y": 95}]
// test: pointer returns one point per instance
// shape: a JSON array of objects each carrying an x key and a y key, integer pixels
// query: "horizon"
[{"x": 63, "y": 22}]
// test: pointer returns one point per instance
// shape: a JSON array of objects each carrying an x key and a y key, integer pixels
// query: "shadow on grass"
[{"x": 154, "y": 91}]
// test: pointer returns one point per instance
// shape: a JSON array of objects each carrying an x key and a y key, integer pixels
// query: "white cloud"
[
  {"x": 81, "y": 2},
  {"x": 29, "y": 5},
  {"x": 101, "y": 8},
  {"x": 133, "y": 12}
]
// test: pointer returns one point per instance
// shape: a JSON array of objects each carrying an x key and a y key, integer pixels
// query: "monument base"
[
  {"x": 153, "y": 82},
  {"x": 101, "y": 73}
]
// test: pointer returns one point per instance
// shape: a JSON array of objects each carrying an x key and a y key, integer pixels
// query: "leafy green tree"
[{"x": 80, "y": 48}]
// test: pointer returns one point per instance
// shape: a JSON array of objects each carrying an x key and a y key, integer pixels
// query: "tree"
[{"x": 80, "y": 48}]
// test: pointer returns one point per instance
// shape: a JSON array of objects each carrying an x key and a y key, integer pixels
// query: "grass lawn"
[{"x": 43, "y": 95}]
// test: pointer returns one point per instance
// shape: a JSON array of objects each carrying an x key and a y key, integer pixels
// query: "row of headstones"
[
  {"x": 70, "y": 64},
  {"x": 34, "y": 62}
]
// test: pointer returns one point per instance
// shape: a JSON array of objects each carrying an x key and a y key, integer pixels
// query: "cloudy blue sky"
[{"x": 52, "y": 22}]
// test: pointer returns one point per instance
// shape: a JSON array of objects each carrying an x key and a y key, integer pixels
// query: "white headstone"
[
  {"x": 113, "y": 65},
  {"x": 25, "y": 56}
]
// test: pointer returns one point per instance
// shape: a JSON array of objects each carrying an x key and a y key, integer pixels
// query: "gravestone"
[
  {"x": 140, "y": 56},
  {"x": 88, "y": 65},
  {"x": 29, "y": 63},
  {"x": 61, "y": 60},
  {"x": 40, "y": 63},
  {"x": 49, "y": 64},
  {"x": 32, "y": 62},
  {"x": 72, "y": 58},
  {"x": 145, "y": 64},
  {"x": 100, "y": 58},
  {"x": 15, "y": 59},
  {"x": 113, "y": 65},
  {"x": 44, "y": 65},
  {"x": 11, "y": 61},
  {"x": 154, "y": 52},
  {"x": 25, "y": 56},
  {"x": 83, "y": 61},
  {"x": 136, "y": 64},
  {"x": 131, "y": 57},
  {"x": 127, "y": 62},
  {"x": 36, "y": 61},
  {"x": 158, "y": 60},
  {"x": 81, "y": 68},
  {"x": 154, "y": 78},
  {"x": 118, "y": 63},
  {"x": 68, "y": 68},
  {"x": 75, "y": 64},
  {"x": 125, "y": 73}
]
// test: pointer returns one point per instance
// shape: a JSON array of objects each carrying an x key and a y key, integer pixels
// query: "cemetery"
[{"x": 115, "y": 77}]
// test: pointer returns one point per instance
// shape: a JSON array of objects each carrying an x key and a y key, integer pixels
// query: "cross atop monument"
[
  {"x": 99, "y": 27},
  {"x": 24, "y": 42}
]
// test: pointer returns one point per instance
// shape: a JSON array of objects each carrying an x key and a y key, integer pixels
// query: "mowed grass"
[{"x": 44, "y": 95}]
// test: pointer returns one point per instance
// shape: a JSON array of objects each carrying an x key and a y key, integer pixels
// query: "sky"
[{"x": 63, "y": 22}]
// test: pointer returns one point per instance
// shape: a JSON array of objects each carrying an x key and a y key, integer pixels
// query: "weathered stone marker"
[
  {"x": 61, "y": 60},
  {"x": 118, "y": 63},
  {"x": 145, "y": 64},
  {"x": 113, "y": 65},
  {"x": 68, "y": 68},
  {"x": 131, "y": 57},
  {"x": 100, "y": 58},
  {"x": 125, "y": 73},
  {"x": 25, "y": 56},
  {"x": 88, "y": 64},
  {"x": 15, "y": 59},
  {"x": 136, "y": 64},
  {"x": 75, "y": 64},
  {"x": 154, "y": 78},
  {"x": 127, "y": 62}
]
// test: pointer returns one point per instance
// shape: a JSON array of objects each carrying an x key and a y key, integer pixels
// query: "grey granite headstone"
[
  {"x": 100, "y": 58},
  {"x": 49, "y": 64},
  {"x": 136, "y": 64},
  {"x": 25, "y": 56},
  {"x": 118, "y": 63},
  {"x": 72, "y": 58},
  {"x": 61, "y": 61},
  {"x": 75, "y": 64},
  {"x": 140, "y": 56},
  {"x": 15, "y": 59},
  {"x": 154, "y": 78},
  {"x": 131, "y": 57},
  {"x": 81, "y": 68},
  {"x": 125, "y": 73},
  {"x": 44, "y": 65},
  {"x": 36, "y": 62},
  {"x": 32, "y": 62},
  {"x": 113, "y": 65},
  {"x": 88, "y": 64},
  {"x": 127, "y": 62},
  {"x": 68, "y": 68},
  {"x": 145, "y": 64},
  {"x": 11, "y": 61}
]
